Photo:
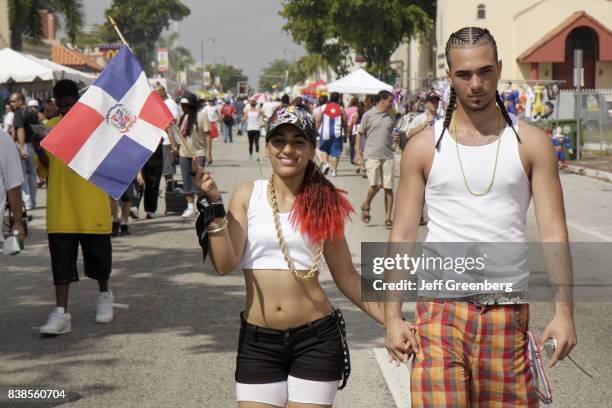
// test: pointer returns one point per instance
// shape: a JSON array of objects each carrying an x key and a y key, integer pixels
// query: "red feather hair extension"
[{"x": 320, "y": 209}]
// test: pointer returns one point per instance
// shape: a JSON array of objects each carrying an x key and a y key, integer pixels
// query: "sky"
[{"x": 247, "y": 34}]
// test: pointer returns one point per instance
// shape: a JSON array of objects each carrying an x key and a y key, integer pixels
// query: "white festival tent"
[
  {"x": 19, "y": 68},
  {"x": 63, "y": 72},
  {"x": 358, "y": 82}
]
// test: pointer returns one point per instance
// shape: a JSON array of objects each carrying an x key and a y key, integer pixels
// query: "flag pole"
[{"x": 112, "y": 21}]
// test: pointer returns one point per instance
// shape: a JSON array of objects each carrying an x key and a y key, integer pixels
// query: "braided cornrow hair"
[{"x": 463, "y": 38}]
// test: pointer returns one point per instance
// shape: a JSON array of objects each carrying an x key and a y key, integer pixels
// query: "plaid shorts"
[{"x": 472, "y": 356}]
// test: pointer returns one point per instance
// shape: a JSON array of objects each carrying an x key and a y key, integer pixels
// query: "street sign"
[{"x": 162, "y": 59}]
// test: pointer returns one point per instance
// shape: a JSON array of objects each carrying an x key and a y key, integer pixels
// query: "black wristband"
[{"x": 217, "y": 207}]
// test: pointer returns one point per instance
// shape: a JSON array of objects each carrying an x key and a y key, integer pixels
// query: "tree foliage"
[
  {"x": 372, "y": 28},
  {"x": 141, "y": 23},
  {"x": 279, "y": 73},
  {"x": 24, "y": 18},
  {"x": 309, "y": 25},
  {"x": 228, "y": 74}
]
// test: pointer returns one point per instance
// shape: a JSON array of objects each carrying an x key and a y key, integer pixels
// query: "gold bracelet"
[
  {"x": 221, "y": 228},
  {"x": 212, "y": 227}
]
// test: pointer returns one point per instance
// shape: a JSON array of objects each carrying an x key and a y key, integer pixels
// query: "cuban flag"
[
  {"x": 114, "y": 127},
  {"x": 331, "y": 121}
]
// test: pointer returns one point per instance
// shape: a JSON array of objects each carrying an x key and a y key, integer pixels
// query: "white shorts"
[{"x": 294, "y": 390}]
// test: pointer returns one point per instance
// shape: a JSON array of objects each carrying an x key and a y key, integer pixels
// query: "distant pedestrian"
[
  {"x": 24, "y": 135},
  {"x": 169, "y": 144},
  {"x": 196, "y": 148},
  {"x": 254, "y": 119},
  {"x": 228, "y": 117},
  {"x": 377, "y": 127},
  {"x": 331, "y": 124},
  {"x": 240, "y": 105},
  {"x": 11, "y": 178}
]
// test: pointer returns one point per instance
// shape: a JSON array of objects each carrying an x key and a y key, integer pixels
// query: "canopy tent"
[
  {"x": 16, "y": 67},
  {"x": 63, "y": 72},
  {"x": 358, "y": 82}
]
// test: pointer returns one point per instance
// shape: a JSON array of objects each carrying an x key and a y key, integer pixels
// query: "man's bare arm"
[
  {"x": 550, "y": 217},
  {"x": 410, "y": 193}
]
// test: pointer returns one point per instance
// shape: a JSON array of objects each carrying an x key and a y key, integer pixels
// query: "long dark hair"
[
  {"x": 192, "y": 116},
  {"x": 467, "y": 37}
]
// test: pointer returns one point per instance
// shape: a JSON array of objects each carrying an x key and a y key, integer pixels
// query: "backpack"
[{"x": 227, "y": 117}]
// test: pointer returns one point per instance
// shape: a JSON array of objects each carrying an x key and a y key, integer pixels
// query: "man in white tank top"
[{"x": 477, "y": 176}]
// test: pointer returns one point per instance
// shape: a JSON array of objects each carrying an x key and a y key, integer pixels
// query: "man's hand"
[
  {"x": 209, "y": 160},
  {"x": 560, "y": 328},
  {"x": 401, "y": 341},
  {"x": 358, "y": 160},
  {"x": 140, "y": 179}
]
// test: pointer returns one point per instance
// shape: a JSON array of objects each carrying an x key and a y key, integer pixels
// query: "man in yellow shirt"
[{"x": 78, "y": 212}]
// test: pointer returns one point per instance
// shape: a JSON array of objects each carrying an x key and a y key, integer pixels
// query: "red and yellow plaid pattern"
[{"x": 472, "y": 356}]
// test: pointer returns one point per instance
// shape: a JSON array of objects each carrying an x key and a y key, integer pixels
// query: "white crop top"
[{"x": 262, "y": 250}]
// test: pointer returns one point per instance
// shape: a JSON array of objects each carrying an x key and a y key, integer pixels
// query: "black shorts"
[
  {"x": 315, "y": 351},
  {"x": 64, "y": 249}
]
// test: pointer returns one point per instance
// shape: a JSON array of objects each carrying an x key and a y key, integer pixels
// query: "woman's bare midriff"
[{"x": 277, "y": 300}]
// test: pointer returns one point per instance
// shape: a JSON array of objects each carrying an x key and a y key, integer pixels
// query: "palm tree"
[{"x": 24, "y": 18}]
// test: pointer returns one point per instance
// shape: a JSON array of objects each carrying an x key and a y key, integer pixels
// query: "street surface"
[{"x": 175, "y": 344}]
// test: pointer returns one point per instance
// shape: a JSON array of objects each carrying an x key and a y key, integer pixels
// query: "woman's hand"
[{"x": 207, "y": 184}]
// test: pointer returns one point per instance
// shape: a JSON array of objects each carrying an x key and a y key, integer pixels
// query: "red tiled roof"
[{"x": 66, "y": 56}]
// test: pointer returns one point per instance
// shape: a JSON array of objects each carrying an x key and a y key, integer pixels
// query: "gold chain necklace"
[
  {"x": 467, "y": 186},
  {"x": 283, "y": 245}
]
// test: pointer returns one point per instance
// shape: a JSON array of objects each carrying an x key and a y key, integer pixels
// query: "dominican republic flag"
[
  {"x": 114, "y": 127},
  {"x": 331, "y": 121}
]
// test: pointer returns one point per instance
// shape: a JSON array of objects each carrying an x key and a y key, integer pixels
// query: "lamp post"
[{"x": 210, "y": 39}]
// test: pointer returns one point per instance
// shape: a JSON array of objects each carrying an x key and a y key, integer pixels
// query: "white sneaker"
[
  {"x": 104, "y": 307},
  {"x": 188, "y": 213},
  {"x": 57, "y": 323},
  {"x": 333, "y": 173}
]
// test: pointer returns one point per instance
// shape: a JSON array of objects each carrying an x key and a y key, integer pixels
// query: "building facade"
[{"x": 536, "y": 39}]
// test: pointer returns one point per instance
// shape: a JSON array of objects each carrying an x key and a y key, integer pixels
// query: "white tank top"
[
  {"x": 262, "y": 250},
  {"x": 252, "y": 119},
  {"x": 455, "y": 215}
]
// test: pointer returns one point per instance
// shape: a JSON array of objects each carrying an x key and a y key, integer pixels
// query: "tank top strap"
[{"x": 258, "y": 194}]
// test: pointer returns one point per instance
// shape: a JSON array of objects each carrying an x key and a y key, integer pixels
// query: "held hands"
[
  {"x": 400, "y": 340},
  {"x": 560, "y": 328}
]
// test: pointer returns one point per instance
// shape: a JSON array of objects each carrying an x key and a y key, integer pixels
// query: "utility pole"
[{"x": 578, "y": 84}]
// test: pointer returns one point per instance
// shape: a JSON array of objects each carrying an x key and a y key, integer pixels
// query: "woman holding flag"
[{"x": 291, "y": 345}]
